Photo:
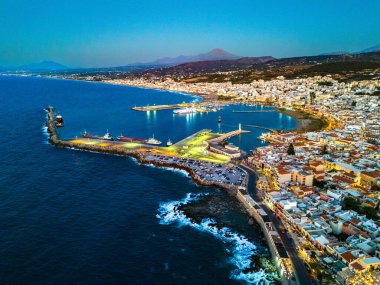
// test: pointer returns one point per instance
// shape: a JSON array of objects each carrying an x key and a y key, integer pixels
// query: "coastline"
[
  {"x": 305, "y": 121},
  {"x": 144, "y": 158}
]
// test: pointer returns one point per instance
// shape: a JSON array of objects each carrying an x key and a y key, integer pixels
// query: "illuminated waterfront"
[{"x": 83, "y": 212}]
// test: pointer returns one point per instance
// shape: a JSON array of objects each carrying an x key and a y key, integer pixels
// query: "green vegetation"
[
  {"x": 319, "y": 183},
  {"x": 325, "y": 83},
  {"x": 372, "y": 141},
  {"x": 306, "y": 122},
  {"x": 290, "y": 150},
  {"x": 351, "y": 203},
  {"x": 224, "y": 98}
]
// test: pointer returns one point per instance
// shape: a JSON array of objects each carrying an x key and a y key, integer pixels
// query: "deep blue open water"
[{"x": 75, "y": 217}]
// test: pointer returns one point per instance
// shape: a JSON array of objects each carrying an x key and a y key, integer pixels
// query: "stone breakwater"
[{"x": 141, "y": 156}]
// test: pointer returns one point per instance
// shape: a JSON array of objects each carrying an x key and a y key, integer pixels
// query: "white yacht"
[{"x": 185, "y": 111}]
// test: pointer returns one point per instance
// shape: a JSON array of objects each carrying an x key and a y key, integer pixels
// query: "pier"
[
  {"x": 205, "y": 169},
  {"x": 228, "y": 135},
  {"x": 162, "y": 107},
  {"x": 261, "y": 127}
]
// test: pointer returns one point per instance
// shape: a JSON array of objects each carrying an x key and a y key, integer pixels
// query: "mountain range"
[
  {"x": 213, "y": 57},
  {"x": 371, "y": 49},
  {"x": 42, "y": 66},
  {"x": 214, "y": 54}
]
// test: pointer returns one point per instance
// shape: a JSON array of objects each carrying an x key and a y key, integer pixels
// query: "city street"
[{"x": 301, "y": 272}]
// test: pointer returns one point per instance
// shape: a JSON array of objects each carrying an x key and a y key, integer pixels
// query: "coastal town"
[
  {"x": 317, "y": 187},
  {"x": 323, "y": 184}
]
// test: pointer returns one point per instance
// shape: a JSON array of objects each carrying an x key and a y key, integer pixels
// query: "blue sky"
[{"x": 82, "y": 33}]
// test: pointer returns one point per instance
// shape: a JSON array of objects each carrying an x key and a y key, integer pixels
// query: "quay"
[
  {"x": 162, "y": 107},
  {"x": 228, "y": 135},
  {"x": 205, "y": 168}
]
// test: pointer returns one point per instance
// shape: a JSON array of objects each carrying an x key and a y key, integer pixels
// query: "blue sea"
[{"x": 75, "y": 217}]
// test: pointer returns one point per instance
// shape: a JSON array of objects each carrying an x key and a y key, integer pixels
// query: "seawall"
[{"x": 141, "y": 157}]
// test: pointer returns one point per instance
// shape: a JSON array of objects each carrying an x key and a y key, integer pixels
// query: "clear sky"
[{"x": 91, "y": 33}]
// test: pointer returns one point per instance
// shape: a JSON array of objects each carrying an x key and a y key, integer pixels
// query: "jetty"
[
  {"x": 261, "y": 127},
  {"x": 162, "y": 107}
]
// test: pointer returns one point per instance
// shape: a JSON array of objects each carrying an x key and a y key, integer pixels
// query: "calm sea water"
[{"x": 74, "y": 217}]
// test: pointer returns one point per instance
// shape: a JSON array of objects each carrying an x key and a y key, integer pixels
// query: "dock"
[
  {"x": 162, "y": 107},
  {"x": 228, "y": 135},
  {"x": 260, "y": 127}
]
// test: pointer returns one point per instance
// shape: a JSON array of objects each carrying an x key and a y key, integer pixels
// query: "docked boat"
[
  {"x": 185, "y": 111},
  {"x": 126, "y": 139},
  {"x": 151, "y": 141},
  {"x": 169, "y": 143},
  {"x": 107, "y": 136}
]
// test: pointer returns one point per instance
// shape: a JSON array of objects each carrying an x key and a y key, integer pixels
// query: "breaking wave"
[
  {"x": 45, "y": 133},
  {"x": 171, "y": 169},
  {"x": 241, "y": 248}
]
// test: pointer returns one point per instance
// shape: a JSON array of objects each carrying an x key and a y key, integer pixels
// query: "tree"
[
  {"x": 312, "y": 97},
  {"x": 350, "y": 203},
  {"x": 319, "y": 183},
  {"x": 371, "y": 213},
  {"x": 290, "y": 150},
  {"x": 324, "y": 149}
]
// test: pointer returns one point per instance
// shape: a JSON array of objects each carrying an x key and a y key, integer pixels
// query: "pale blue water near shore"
[{"x": 74, "y": 217}]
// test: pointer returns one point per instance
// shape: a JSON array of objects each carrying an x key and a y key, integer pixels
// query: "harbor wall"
[{"x": 141, "y": 157}]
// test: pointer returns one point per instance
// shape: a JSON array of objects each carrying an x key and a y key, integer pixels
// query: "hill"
[
  {"x": 215, "y": 54},
  {"x": 245, "y": 70}
]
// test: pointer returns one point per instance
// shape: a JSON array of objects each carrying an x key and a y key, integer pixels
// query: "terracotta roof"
[
  {"x": 355, "y": 221},
  {"x": 357, "y": 266},
  {"x": 347, "y": 256},
  {"x": 373, "y": 174},
  {"x": 342, "y": 179}
]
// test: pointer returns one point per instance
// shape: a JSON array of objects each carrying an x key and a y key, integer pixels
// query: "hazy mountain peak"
[
  {"x": 370, "y": 49},
  {"x": 214, "y": 54},
  {"x": 43, "y": 65}
]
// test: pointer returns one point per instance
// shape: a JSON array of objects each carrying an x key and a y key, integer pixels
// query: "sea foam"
[
  {"x": 238, "y": 245},
  {"x": 44, "y": 130}
]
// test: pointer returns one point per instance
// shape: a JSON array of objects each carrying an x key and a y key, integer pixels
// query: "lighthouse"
[{"x": 239, "y": 127}]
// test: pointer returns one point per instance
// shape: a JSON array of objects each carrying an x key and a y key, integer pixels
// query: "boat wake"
[{"x": 238, "y": 245}]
